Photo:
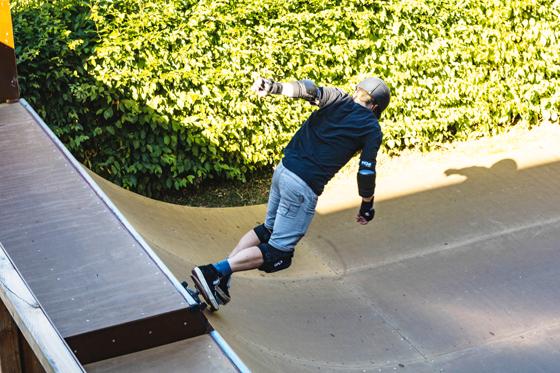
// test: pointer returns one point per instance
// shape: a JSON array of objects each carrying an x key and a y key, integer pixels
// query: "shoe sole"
[{"x": 204, "y": 289}]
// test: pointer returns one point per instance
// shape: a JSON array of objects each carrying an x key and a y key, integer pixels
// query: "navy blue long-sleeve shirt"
[{"x": 330, "y": 137}]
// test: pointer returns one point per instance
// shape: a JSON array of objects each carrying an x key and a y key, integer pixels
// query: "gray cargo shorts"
[{"x": 291, "y": 206}]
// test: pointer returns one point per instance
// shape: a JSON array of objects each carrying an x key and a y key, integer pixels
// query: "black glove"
[{"x": 367, "y": 211}]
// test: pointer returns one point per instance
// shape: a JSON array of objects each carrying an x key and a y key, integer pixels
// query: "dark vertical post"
[
  {"x": 9, "y": 346},
  {"x": 29, "y": 362},
  {"x": 9, "y": 90}
]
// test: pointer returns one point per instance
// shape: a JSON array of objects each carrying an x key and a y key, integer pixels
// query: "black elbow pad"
[
  {"x": 306, "y": 90},
  {"x": 366, "y": 183},
  {"x": 309, "y": 88}
]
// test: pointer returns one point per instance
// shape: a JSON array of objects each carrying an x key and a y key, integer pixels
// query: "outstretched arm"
[{"x": 304, "y": 89}]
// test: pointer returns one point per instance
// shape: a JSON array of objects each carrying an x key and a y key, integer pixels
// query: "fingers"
[
  {"x": 361, "y": 220},
  {"x": 258, "y": 85},
  {"x": 262, "y": 87}
]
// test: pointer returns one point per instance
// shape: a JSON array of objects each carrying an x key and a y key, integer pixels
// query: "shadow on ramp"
[{"x": 460, "y": 278}]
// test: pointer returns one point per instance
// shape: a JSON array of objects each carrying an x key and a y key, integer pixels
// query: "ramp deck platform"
[{"x": 100, "y": 285}]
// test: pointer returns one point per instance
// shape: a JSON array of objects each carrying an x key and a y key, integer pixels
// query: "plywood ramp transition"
[{"x": 458, "y": 272}]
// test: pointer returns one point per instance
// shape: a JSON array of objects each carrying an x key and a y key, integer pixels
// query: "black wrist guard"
[
  {"x": 366, "y": 183},
  {"x": 367, "y": 211},
  {"x": 275, "y": 88}
]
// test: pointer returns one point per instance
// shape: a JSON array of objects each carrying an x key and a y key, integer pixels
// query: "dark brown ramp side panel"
[
  {"x": 100, "y": 287},
  {"x": 9, "y": 89}
]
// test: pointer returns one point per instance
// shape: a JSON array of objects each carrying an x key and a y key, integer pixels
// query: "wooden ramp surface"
[{"x": 457, "y": 273}]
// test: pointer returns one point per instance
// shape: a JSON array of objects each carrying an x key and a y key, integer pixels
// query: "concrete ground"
[{"x": 459, "y": 272}]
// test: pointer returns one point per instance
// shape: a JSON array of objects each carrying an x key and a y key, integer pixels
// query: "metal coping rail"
[{"x": 228, "y": 351}]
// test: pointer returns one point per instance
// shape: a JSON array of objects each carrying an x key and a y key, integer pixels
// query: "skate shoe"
[
  {"x": 206, "y": 279},
  {"x": 222, "y": 290}
]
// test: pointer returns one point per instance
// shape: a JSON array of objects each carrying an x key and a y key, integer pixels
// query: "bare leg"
[
  {"x": 246, "y": 259},
  {"x": 248, "y": 240},
  {"x": 246, "y": 255}
]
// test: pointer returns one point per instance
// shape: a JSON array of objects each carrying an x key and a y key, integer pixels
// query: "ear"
[{"x": 373, "y": 107}]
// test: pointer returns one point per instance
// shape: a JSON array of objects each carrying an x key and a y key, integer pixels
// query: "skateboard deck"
[{"x": 195, "y": 293}]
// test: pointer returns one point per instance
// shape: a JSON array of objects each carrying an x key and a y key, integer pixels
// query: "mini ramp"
[{"x": 459, "y": 272}]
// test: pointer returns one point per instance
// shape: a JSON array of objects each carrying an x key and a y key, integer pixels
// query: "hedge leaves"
[{"x": 154, "y": 94}]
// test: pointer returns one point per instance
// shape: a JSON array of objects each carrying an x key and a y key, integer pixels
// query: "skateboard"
[{"x": 195, "y": 293}]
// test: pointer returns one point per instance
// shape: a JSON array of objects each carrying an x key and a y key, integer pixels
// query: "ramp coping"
[
  {"x": 39, "y": 331},
  {"x": 228, "y": 351},
  {"x": 78, "y": 167}
]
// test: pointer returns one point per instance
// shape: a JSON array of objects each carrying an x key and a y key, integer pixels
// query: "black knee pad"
[
  {"x": 263, "y": 233},
  {"x": 274, "y": 259}
]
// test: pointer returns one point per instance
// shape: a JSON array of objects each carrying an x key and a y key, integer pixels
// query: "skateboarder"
[{"x": 342, "y": 126}]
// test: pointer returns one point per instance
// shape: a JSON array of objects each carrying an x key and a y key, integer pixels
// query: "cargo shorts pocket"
[{"x": 288, "y": 210}]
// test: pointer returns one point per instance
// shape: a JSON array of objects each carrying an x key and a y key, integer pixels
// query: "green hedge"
[{"x": 155, "y": 94}]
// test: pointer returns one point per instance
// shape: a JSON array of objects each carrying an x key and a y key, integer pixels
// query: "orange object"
[
  {"x": 6, "y": 33},
  {"x": 9, "y": 89}
]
